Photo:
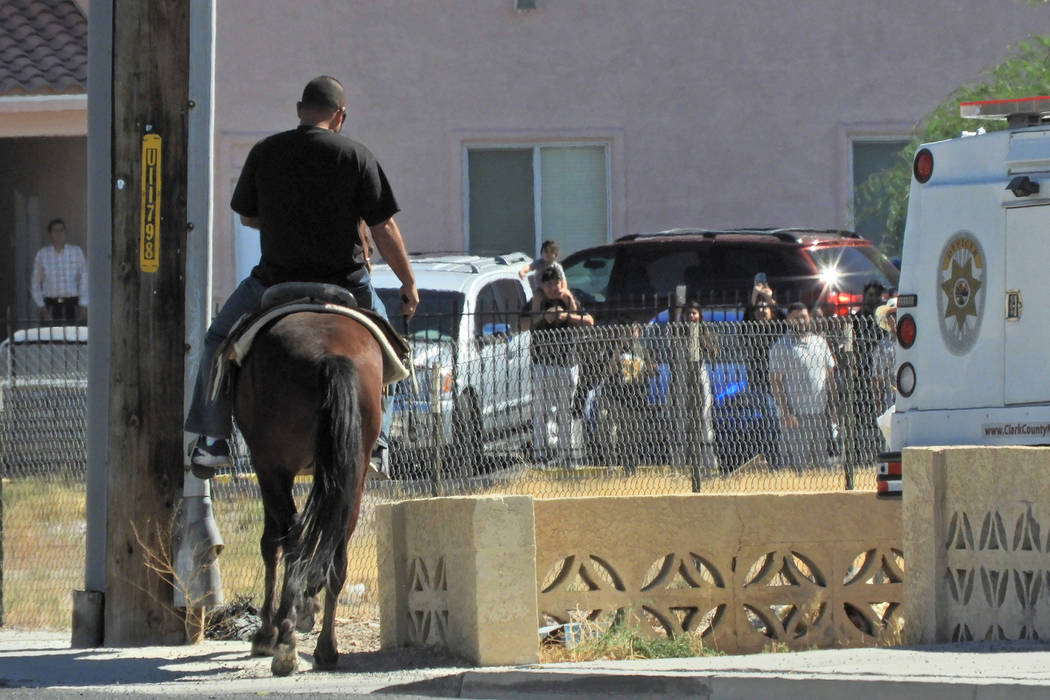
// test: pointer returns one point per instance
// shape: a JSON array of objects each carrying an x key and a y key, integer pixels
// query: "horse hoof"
[
  {"x": 285, "y": 660},
  {"x": 262, "y": 643},
  {"x": 323, "y": 663},
  {"x": 262, "y": 648}
]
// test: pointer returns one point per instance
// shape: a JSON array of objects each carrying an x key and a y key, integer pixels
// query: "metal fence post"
[
  {"x": 437, "y": 427},
  {"x": 849, "y": 406},
  {"x": 695, "y": 406}
]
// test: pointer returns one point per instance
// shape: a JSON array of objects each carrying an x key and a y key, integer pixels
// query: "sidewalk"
[{"x": 39, "y": 662}]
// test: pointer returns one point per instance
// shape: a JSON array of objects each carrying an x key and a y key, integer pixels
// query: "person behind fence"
[
  {"x": 865, "y": 403},
  {"x": 59, "y": 281},
  {"x": 884, "y": 364},
  {"x": 625, "y": 396},
  {"x": 691, "y": 399},
  {"x": 871, "y": 298},
  {"x": 761, "y": 333},
  {"x": 761, "y": 292},
  {"x": 549, "y": 252},
  {"x": 306, "y": 190},
  {"x": 800, "y": 375},
  {"x": 553, "y": 313},
  {"x": 885, "y": 351},
  {"x": 763, "y": 305}
]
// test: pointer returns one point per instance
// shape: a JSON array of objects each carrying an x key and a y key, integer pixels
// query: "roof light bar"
[{"x": 1004, "y": 109}]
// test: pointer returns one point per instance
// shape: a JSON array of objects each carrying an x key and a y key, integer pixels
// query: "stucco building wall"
[{"x": 717, "y": 114}]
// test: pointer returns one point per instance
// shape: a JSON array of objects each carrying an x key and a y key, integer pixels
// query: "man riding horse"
[{"x": 306, "y": 190}]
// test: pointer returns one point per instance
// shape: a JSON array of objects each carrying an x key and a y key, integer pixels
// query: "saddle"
[{"x": 292, "y": 297}]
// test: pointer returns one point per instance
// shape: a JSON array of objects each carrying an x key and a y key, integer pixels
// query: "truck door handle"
[{"x": 1014, "y": 305}]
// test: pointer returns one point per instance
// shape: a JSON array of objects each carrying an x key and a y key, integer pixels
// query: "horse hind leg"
[
  {"x": 326, "y": 653},
  {"x": 266, "y": 636},
  {"x": 307, "y": 609},
  {"x": 285, "y": 658},
  {"x": 277, "y": 521}
]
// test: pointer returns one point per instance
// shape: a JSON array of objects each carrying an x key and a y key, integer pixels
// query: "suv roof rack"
[
  {"x": 473, "y": 262},
  {"x": 787, "y": 234},
  {"x": 512, "y": 258}
]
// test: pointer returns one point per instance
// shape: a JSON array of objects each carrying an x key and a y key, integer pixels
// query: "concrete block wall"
[
  {"x": 977, "y": 534},
  {"x": 479, "y": 575},
  {"x": 459, "y": 573},
  {"x": 746, "y": 572}
]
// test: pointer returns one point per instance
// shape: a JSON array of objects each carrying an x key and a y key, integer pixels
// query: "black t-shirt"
[
  {"x": 555, "y": 344},
  {"x": 310, "y": 187}
]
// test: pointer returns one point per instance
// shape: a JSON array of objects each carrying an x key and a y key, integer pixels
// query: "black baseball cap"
[
  {"x": 323, "y": 91},
  {"x": 552, "y": 273}
]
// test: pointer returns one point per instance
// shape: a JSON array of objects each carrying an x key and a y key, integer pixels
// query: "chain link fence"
[
  {"x": 43, "y": 403},
  {"x": 705, "y": 399},
  {"x": 627, "y": 409}
]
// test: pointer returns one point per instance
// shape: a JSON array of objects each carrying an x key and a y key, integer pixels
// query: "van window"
[
  {"x": 660, "y": 269},
  {"x": 735, "y": 267},
  {"x": 499, "y": 303},
  {"x": 487, "y": 310},
  {"x": 437, "y": 316},
  {"x": 511, "y": 297}
]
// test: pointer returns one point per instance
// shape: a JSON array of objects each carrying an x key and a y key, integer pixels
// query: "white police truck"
[{"x": 973, "y": 316}]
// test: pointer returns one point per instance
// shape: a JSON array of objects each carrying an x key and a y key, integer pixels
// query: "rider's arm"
[
  {"x": 250, "y": 221},
  {"x": 387, "y": 237}
]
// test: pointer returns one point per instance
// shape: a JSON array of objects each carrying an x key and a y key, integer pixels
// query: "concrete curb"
[{"x": 555, "y": 684}]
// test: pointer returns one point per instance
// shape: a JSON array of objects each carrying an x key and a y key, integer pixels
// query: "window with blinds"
[{"x": 517, "y": 197}]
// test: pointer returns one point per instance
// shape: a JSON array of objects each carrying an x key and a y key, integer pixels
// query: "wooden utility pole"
[{"x": 147, "y": 326}]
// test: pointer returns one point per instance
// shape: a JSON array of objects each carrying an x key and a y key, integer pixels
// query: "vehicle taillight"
[
  {"x": 906, "y": 331},
  {"x": 844, "y": 301},
  {"x": 447, "y": 382},
  {"x": 923, "y": 166},
  {"x": 888, "y": 477}
]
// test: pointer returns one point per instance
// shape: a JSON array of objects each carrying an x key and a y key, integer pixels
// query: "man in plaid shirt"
[{"x": 59, "y": 284}]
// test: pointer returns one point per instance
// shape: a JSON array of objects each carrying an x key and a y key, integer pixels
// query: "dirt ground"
[
  {"x": 356, "y": 635},
  {"x": 239, "y": 619}
]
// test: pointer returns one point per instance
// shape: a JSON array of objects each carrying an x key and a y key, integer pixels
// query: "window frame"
[
  {"x": 862, "y": 133},
  {"x": 537, "y": 146}
]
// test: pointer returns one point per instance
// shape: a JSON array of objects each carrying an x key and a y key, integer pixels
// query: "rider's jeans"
[{"x": 215, "y": 418}]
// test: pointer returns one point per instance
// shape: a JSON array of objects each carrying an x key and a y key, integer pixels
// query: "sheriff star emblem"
[{"x": 960, "y": 302}]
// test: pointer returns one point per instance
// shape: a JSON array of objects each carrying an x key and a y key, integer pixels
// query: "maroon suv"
[{"x": 638, "y": 273}]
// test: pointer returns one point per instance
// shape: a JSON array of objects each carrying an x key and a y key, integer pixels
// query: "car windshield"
[
  {"x": 588, "y": 277},
  {"x": 437, "y": 316},
  {"x": 851, "y": 267}
]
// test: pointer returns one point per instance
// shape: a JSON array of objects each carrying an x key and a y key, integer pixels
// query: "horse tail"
[{"x": 325, "y": 520}]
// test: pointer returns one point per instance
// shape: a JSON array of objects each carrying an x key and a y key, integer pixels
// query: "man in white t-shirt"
[{"x": 800, "y": 373}]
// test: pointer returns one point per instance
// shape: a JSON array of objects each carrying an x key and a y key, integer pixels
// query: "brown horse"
[{"x": 308, "y": 395}]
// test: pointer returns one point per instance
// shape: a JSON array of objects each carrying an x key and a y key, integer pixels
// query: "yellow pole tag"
[{"x": 149, "y": 233}]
